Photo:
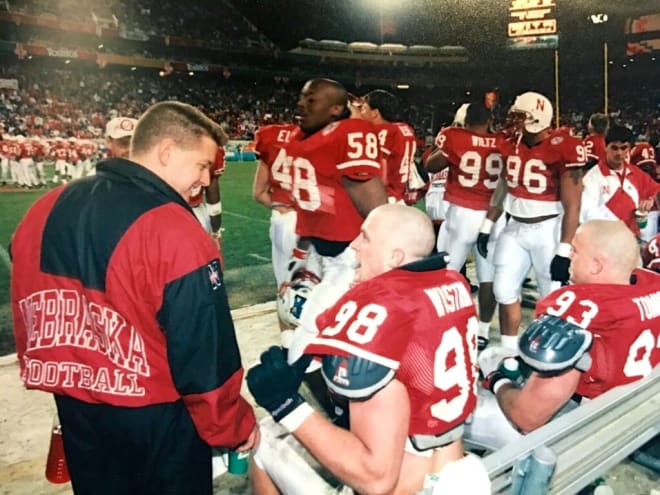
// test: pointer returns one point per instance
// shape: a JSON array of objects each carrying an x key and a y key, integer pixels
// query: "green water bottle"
[{"x": 510, "y": 368}]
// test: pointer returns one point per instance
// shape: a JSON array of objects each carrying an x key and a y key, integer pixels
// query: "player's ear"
[
  {"x": 396, "y": 258},
  {"x": 341, "y": 111},
  {"x": 597, "y": 264}
]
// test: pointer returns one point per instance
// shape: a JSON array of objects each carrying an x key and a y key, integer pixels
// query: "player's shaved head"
[
  {"x": 614, "y": 241},
  {"x": 392, "y": 235},
  {"x": 338, "y": 92},
  {"x": 605, "y": 252},
  {"x": 409, "y": 229}
]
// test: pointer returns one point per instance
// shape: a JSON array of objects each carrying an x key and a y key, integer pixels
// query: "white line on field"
[
  {"x": 4, "y": 256},
  {"x": 260, "y": 220},
  {"x": 259, "y": 257}
]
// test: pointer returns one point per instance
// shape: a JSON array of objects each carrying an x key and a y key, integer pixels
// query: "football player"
[
  {"x": 474, "y": 162},
  {"x": 400, "y": 347},
  {"x": 334, "y": 162},
  {"x": 651, "y": 254},
  {"x": 396, "y": 140},
  {"x": 594, "y": 143},
  {"x": 543, "y": 172},
  {"x": 615, "y": 189},
  {"x": 207, "y": 204},
  {"x": 609, "y": 319},
  {"x": 272, "y": 187},
  {"x": 436, "y": 206}
]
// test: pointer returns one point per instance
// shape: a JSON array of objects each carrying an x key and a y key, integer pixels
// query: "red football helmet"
[{"x": 651, "y": 254}]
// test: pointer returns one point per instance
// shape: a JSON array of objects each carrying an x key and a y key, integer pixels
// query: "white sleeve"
[{"x": 591, "y": 197}]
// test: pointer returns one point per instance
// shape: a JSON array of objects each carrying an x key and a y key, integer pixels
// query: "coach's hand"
[
  {"x": 560, "y": 263},
  {"x": 274, "y": 384}
]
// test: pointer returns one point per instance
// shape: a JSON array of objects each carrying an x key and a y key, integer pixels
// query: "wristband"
[
  {"x": 564, "y": 250},
  {"x": 214, "y": 209},
  {"x": 499, "y": 383},
  {"x": 298, "y": 253},
  {"x": 295, "y": 418},
  {"x": 486, "y": 226}
]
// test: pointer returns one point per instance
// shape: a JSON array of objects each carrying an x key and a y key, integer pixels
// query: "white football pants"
[
  {"x": 519, "y": 247},
  {"x": 283, "y": 240},
  {"x": 458, "y": 236}
]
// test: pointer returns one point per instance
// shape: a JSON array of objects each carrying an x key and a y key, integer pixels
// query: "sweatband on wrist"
[
  {"x": 499, "y": 383},
  {"x": 214, "y": 209},
  {"x": 295, "y": 418},
  {"x": 486, "y": 226},
  {"x": 563, "y": 250},
  {"x": 300, "y": 254}
]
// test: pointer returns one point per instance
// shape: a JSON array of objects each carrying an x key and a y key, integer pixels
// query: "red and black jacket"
[{"x": 118, "y": 298}]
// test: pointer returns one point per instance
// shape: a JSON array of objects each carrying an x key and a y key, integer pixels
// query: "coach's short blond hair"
[{"x": 178, "y": 121}]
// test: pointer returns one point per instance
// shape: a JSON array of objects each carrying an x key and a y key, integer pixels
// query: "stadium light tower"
[{"x": 599, "y": 20}]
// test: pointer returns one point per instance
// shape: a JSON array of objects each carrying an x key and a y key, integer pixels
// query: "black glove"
[
  {"x": 559, "y": 269},
  {"x": 274, "y": 383},
  {"x": 482, "y": 244}
]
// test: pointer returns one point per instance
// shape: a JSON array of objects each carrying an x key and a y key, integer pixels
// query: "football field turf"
[{"x": 246, "y": 246}]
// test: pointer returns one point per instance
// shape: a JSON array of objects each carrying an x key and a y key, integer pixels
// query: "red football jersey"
[
  {"x": 398, "y": 146},
  {"x": 594, "y": 146},
  {"x": 475, "y": 163},
  {"x": 268, "y": 143},
  {"x": 61, "y": 151},
  {"x": 13, "y": 149},
  {"x": 347, "y": 148},
  {"x": 27, "y": 150},
  {"x": 217, "y": 169},
  {"x": 39, "y": 148},
  {"x": 625, "y": 323},
  {"x": 533, "y": 173},
  {"x": 422, "y": 325},
  {"x": 651, "y": 254}
]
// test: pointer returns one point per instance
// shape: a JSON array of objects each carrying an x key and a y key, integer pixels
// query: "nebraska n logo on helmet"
[{"x": 536, "y": 109}]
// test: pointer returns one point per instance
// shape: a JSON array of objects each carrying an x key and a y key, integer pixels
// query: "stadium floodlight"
[
  {"x": 598, "y": 18},
  {"x": 403, "y": 86},
  {"x": 382, "y": 5}
]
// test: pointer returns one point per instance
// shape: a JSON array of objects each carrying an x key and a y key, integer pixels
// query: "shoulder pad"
[
  {"x": 551, "y": 344},
  {"x": 353, "y": 377},
  {"x": 432, "y": 262}
]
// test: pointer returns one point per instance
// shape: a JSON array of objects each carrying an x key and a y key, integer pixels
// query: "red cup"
[{"x": 56, "y": 469}]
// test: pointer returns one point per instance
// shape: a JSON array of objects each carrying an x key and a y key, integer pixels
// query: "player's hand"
[
  {"x": 484, "y": 237},
  {"x": 482, "y": 244},
  {"x": 297, "y": 262},
  {"x": 560, "y": 264},
  {"x": 491, "y": 357},
  {"x": 274, "y": 384}
]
